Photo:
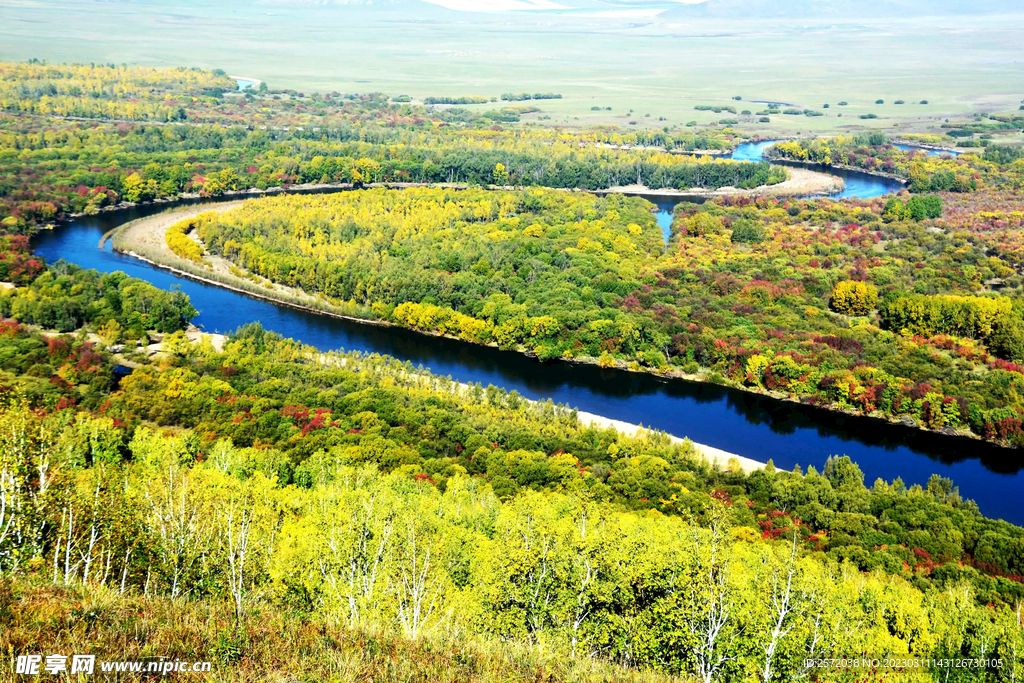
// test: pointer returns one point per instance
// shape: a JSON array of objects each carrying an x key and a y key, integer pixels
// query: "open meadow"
[{"x": 643, "y": 71}]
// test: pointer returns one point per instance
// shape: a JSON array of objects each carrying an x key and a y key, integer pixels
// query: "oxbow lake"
[{"x": 736, "y": 421}]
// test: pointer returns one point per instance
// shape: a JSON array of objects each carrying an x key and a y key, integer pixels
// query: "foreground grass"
[{"x": 269, "y": 645}]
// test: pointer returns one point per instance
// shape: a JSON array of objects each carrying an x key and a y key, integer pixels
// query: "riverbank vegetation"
[
  {"x": 990, "y": 166},
  {"x": 360, "y": 494},
  {"x": 178, "y": 241},
  {"x": 858, "y": 305},
  {"x": 883, "y": 307},
  {"x": 494, "y": 267},
  {"x": 18, "y": 265},
  {"x": 149, "y": 134},
  {"x": 66, "y": 298}
]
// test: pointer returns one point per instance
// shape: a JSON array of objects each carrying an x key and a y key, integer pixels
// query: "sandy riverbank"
[
  {"x": 713, "y": 455},
  {"x": 147, "y": 235},
  {"x": 802, "y": 182},
  {"x": 150, "y": 232},
  {"x": 793, "y": 164}
]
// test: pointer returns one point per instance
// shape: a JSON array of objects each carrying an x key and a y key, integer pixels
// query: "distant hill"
[{"x": 852, "y": 9}]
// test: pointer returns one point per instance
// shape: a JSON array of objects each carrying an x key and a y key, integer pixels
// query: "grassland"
[
  {"x": 648, "y": 66},
  {"x": 274, "y": 645}
]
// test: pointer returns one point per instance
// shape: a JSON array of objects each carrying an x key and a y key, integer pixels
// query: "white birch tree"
[{"x": 710, "y": 616}]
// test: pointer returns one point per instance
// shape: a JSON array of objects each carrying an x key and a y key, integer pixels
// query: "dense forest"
[
  {"x": 65, "y": 298},
  {"x": 901, "y": 307},
  {"x": 289, "y": 513},
  {"x": 367, "y": 493},
  {"x": 147, "y": 134}
]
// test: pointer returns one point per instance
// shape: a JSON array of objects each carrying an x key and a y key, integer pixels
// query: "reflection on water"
[
  {"x": 666, "y": 205},
  {"x": 862, "y": 185}
]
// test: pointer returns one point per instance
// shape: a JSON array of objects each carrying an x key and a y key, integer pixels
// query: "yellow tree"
[
  {"x": 501, "y": 176},
  {"x": 854, "y": 298}
]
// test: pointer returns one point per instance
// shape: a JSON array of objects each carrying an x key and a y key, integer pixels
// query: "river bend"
[{"x": 739, "y": 422}]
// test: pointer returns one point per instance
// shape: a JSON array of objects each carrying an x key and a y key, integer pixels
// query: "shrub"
[
  {"x": 921, "y": 207},
  {"x": 747, "y": 231},
  {"x": 702, "y": 223},
  {"x": 178, "y": 241},
  {"x": 1007, "y": 338},
  {"x": 843, "y": 344}
]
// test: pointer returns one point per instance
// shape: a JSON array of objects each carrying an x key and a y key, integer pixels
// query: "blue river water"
[
  {"x": 928, "y": 151},
  {"x": 752, "y": 151},
  {"x": 862, "y": 185},
  {"x": 739, "y": 422}
]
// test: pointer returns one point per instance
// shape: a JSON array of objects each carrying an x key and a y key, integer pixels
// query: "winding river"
[
  {"x": 929, "y": 151},
  {"x": 863, "y": 185},
  {"x": 857, "y": 184},
  {"x": 736, "y": 421}
]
